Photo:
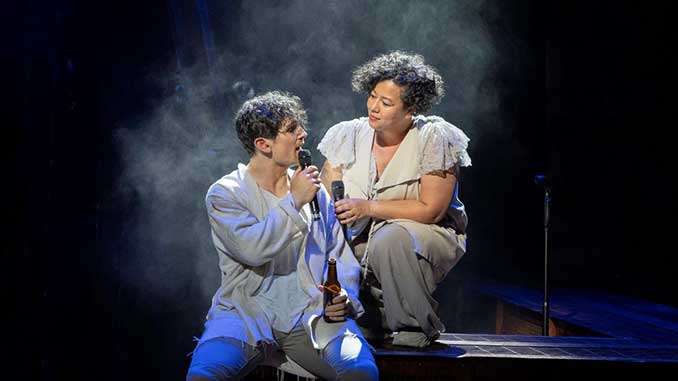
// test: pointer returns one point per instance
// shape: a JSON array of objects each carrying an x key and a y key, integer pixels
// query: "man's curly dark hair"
[
  {"x": 265, "y": 115},
  {"x": 423, "y": 86}
]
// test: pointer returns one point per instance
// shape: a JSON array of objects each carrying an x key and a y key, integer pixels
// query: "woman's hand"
[
  {"x": 434, "y": 200},
  {"x": 352, "y": 209},
  {"x": 338, "y": 310}
]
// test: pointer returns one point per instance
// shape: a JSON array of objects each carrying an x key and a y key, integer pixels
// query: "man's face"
[{"x": 286, "y": 145}]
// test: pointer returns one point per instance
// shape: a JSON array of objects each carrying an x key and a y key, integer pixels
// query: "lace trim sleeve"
[
  {"x": 444, "y": 146},
  {"x": 338, "y": 144}
]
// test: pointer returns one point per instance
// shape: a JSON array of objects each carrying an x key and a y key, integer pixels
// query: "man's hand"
[
  {"x": 338, "y": 310},
  {"x": 304, "y": 185}
]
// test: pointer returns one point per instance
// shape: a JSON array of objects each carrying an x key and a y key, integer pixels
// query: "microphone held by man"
[{"x": 304, "y": 162}]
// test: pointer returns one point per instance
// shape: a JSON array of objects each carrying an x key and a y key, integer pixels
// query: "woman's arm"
[
  {"x": 437, "y": 190},
  {"x": 329, "y": 174}
]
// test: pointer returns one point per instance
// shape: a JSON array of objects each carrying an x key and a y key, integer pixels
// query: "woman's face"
[{"x": 385, "y": 108}]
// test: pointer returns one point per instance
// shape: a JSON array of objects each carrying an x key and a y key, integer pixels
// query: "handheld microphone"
[
  {"x": 304, "y": 162},
  {"x": 338, "y": 194},
  {"x": 543, "y": 180}
]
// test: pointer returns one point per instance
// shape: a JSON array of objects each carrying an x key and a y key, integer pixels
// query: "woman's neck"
[{"x": 394, "y": 136}]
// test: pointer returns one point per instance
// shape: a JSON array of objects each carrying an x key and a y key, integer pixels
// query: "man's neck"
[{"x": 268, "y": 175}]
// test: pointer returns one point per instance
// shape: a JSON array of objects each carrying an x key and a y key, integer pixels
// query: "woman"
[{"x": 400, "y": 170}]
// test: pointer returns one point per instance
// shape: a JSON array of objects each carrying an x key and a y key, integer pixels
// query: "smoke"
[
  {"x": 312, "y": 48},
  {"x": 173, "y": 153}
]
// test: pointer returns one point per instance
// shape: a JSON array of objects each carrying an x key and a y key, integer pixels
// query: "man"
[{"x": 272, "y": 257}]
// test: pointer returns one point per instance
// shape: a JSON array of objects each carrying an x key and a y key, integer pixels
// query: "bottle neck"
[{"x": 332, "y": 271}]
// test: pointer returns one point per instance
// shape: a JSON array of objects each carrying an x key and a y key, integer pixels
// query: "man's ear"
[{"x": 263, "y": 145}]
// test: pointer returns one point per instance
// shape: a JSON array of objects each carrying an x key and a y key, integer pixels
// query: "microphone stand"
[{"x": 541, "y": 180}]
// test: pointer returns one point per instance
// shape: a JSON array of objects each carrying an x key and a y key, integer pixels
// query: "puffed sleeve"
[
  {"x": 338, "y": 144},
  {"x": 443, "y": 146}
]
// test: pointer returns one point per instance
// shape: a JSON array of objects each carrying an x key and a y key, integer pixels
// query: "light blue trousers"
[{"x": 345, "y": 358}]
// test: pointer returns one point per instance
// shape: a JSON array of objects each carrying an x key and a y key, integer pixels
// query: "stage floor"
[
  {"x": 543, "y": 347},
  {"x": 590, "y": 335},
  {"x": 482, "y": 357}
]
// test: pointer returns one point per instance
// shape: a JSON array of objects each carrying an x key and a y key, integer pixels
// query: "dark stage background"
[{"x": 123, "y": 119}]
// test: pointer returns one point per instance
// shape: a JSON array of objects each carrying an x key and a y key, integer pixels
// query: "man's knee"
[
  {"x": 218, "y": 359},
  {"x": 212, "y": 373},
  {"x": 363, "y": 371},
  {"x": 200, "y": 377}
]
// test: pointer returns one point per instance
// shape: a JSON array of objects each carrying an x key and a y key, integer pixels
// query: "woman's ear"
[{"x": 410, "y": 112}]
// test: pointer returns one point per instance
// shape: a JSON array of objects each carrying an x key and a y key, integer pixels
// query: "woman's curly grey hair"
[
  {"x": 264, "y": 115},
  {"x": 422, "y": 84}
]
